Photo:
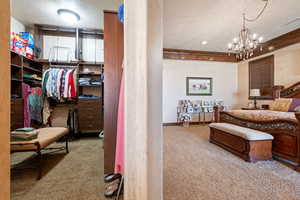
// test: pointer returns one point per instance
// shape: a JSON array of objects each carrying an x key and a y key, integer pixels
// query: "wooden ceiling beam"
[
  {"x": 277, "y": 43},
  {"x": 280, "y": 42},
  {"x": 182, "y": 54}
]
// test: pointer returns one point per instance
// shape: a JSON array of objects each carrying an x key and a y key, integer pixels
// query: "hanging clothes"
[
  {"x": 26, "y": 92},
  {"x": 46, "y": 112},
  {"x": 36, "y": 104},
  {"x": 119, "y": 159},
  {"x": 60, "y": 84}
]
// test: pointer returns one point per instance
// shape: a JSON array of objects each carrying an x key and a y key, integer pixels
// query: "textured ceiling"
[
  {"x": 187, "y": 23},
  {"x": 45, "y": 11}
]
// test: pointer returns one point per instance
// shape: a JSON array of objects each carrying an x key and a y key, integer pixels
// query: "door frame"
[{"x": 4, "y": 100}]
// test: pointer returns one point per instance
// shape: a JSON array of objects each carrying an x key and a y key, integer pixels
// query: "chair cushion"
[
  {"x": 246, "y": 133},
  {"x": 46, "y": 136}
]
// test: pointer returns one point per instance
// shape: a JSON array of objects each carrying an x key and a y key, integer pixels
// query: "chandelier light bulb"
[
  {"x": 254, "y": 36},
  {"x": 246, "y": 43}
]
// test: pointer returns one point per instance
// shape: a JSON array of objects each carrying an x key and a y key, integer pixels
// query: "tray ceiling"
[{"x": 188, "y": 23}]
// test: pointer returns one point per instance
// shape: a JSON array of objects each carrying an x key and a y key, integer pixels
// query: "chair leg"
[
  {"x": 39, "y": 157},
  {"x": 67, "y": 144}
]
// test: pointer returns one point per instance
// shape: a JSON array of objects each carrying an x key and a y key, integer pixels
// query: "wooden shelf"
[
  {"x": 90, "y": 85},
  {"x": 32, "y": 69},
  {"x": 16, "y": 79},
  {"x": 81, "y": 63},
  {"x": 16, "y": 66},
  {"x": 91, "y": 74}
]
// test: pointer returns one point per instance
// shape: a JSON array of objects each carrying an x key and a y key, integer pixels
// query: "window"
[{"x": 261, "y": 76}]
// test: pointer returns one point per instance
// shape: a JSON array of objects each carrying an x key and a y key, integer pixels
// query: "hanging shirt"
[
  {"x": 25, "y": 92},
  {"x": 36, "y": 104}
]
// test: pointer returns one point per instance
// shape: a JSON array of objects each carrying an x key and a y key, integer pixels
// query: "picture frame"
[{"x": 199, "y": 86}]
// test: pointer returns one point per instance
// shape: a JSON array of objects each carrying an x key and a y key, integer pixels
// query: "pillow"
[
  {"x": 295, "y": 105},
  {"x": 282, "y": 105}
]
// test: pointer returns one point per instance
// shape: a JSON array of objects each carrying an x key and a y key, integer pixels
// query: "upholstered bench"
[
  {"x": 46, "y": 136},
  {"x": 249, "y": 144}
]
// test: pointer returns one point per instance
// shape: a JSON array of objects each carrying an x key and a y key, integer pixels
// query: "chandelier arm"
[{"x": 260, "y": 13}]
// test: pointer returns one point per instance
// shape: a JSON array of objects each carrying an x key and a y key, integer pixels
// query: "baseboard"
[
  {"x": 171, "y": 124},
  {"x": 179, "y": 124}
]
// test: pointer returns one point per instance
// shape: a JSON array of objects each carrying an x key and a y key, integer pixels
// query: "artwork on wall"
[{"x": 198, "y": 86}]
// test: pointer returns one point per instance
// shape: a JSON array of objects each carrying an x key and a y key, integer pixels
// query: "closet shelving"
[
  {"x": 90, "y": 110},
  {"x": 21, "y": 67},
  {"x": 89, "y": 104}
]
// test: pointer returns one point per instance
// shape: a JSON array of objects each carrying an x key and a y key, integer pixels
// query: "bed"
[{"x": 284, "y": 126}]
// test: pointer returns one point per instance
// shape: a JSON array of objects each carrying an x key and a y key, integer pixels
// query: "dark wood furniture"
[
  {"x": 250, "y": 151},
  {"x": 17, "y": 114},
  {"x": 90, "y": 115},
  {"x": 90, "y": 111},
  {"x": 113, "y": 60},
  {"x": 286, "y": 133},
  {"x": 20, "y": 67}
]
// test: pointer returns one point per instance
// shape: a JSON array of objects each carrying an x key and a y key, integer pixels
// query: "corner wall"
[
  {"x": 16, "y": 26},
  {"x": 174, "y": 83},
  {"x": 286, "y": 71}
]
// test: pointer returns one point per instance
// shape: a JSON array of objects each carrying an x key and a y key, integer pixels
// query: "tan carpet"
[
  {"x": 194, "y": 169},
  {"x": 74, "y": 176}
]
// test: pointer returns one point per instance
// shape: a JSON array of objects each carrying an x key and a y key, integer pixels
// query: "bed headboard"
[{"x": 290, "y": 92}]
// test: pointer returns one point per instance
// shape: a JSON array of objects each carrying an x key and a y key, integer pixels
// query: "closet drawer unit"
[
  {"x": 90, "y": 115},
  {"x": 17, "y": 113}
]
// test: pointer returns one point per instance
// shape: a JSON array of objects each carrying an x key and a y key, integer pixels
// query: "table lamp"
[{"x": 255, "y": 93}]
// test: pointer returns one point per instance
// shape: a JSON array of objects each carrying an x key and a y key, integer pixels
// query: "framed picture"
[{"x": 198, "y": 86}]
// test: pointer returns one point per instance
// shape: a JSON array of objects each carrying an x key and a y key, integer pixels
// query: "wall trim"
[
  {"x": 285, "y": 40},
  {"x": 183, "y": 54}
]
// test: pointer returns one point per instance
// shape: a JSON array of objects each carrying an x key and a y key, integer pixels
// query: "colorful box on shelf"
[{"x": 23, "y": 44}]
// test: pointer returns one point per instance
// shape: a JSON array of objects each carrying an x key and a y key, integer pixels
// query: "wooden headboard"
[{"x": 290, "y": 92}]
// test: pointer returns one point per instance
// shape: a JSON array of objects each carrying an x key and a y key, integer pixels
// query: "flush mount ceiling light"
[
  {"x": 69, "y": 15},
  {"x": 204, "y": 42},
  {"x": 246, "y": 43}
]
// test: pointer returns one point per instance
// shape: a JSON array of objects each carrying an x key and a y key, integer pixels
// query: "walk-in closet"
[{"x": 66, "y": 63}]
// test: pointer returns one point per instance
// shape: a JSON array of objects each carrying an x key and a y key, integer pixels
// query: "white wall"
[
  {"x": 93, "y": 49},
  {"x": 16, "y": 26},
  {"x": 174, "y": 83}
]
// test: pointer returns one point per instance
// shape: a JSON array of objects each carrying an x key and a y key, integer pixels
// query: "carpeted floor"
[
  {"x": 75, "y": 176},
  {"x": 195, "y": 169}
]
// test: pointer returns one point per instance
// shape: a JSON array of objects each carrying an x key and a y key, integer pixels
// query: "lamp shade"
[{"x": 255, "y": 92}]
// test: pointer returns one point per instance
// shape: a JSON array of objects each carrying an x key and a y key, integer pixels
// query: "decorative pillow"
[
  {"x": 295, "y": 105},
  {"x": 282, "y": 105}
]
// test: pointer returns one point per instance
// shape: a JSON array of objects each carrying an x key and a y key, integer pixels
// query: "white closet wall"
[
  {"x": 51, "y": 41},
  {"x": 92, "y": 49},
  {"x": 16, "y": 26}
]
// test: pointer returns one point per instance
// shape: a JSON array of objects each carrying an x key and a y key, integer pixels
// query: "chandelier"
[{"x": 245, "y": 45}]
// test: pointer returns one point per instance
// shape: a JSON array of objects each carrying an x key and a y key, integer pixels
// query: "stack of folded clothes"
[
  {"x": 84, "y": 81},
  {"x": 95, "y": 83},
  {"x": 22, "y": 134}
]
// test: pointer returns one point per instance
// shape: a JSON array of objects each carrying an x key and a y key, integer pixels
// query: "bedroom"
[
  {"x": 214, "y": 166},
  {"x": 198, "y": 75}
]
